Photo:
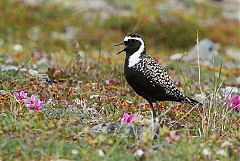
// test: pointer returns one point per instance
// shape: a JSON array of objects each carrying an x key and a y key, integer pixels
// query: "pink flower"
[
  {"x": 20, "y": 96},
  {"x": 128, "y": 118},
  {"x": 33, "y": 103},
  {"x": 109, "y": 81},
  {"x": 172, "y": 137},
  {"x": 235, "y": 103}
]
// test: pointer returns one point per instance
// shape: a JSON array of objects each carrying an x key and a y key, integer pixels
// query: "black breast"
[{"x": 141, "y": 85}]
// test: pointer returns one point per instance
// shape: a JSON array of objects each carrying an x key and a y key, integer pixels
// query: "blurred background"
[{"x": 46, "y": 31}]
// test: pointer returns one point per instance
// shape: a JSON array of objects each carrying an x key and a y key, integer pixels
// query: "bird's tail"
[{"x": 191, "y": 101}]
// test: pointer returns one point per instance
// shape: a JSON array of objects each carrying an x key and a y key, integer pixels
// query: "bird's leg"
[
  {"x": 153, "y": 117},
  {"x": 159, "y": 118},
  {"x": 159, "y": 113}
]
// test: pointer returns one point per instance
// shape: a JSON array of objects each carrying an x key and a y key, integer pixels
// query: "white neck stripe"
[{"x": 135, "y": 57}]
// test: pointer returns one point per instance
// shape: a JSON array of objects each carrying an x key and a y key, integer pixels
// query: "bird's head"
[{"x": 133, "y": 42}]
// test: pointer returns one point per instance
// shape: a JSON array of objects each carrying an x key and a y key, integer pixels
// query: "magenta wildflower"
[
  {"x": 109, "y": 81},
  {"x": 168, "y": 139},
  {"x": 128, "y": 118},
  {"x": 33, "y": 103},
  {"x": 172, "y": 137},
  {"x": 30, "y": 101},
  {"x": 20, "y": 96},
  {"x": 235, "y": 103}
]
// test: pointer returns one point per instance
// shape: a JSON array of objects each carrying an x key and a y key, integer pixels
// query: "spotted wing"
[{"x": 159, "y": 78}]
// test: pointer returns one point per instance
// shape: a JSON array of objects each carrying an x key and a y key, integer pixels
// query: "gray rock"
[
  {"x": 42, "y": 77},
  {"x": 18, "y": 48},
  {"x": 69, "y": 34},
  {"x": 3, "y": 92},
  {"x": 238, "y": 80},
  {"x": 165, "y": 8},
  {"x": 233, "y": 53},
  {"x": 11, "y": 67},
  {"x": 33, "y": 72},
  {"x": 208, "y": 50},
  {"x": 128, "y": 129},
  {"x": 227, "y": 91},
  {"x": 34, "y": 3},
  {"x": 176, "y": 56},
  {"x": 231, "y": 9},
  {"x": 200, "y": 97}
]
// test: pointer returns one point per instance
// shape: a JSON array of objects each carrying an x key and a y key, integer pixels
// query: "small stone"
[
  {"x": 229, "y": 90},
  {"x": 206, "y": 152},
  {"x": 33, "y": 72},
  {"x": 3, "y": 92},
  {"x": 95, "y": 96},
  {"x": 177, "y": 56},
  {"x": 238, "y": 80},
  {"x": 9, "y": 67},
  {"x": 221, "y": 152},
  {"x": 18, "y": 48},
  {"x": 129, "y": 101},
  {"x": 233, "y": 53},
  {"x": 226, "y": 143},
  {"x": 200, "y": 97},
  {"x": 206, "y": 49},
  {"x": 74, "y": 151},
  {"x": 101, "y": 153},
  {"x": 70, "y": 33},
  {"x": 139, "y": 152}
]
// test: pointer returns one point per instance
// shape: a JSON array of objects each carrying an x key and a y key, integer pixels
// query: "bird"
[{"x": 148, "y": 78}]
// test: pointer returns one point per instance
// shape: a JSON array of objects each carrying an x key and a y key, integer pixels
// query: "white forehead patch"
[{"x": 135, "y": 57}]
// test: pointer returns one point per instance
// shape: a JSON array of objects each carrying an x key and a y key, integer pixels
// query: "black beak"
[{"x": 122, "y": 43}]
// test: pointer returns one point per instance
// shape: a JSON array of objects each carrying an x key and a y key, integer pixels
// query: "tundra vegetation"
[{"x": 63, "y": 94}]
